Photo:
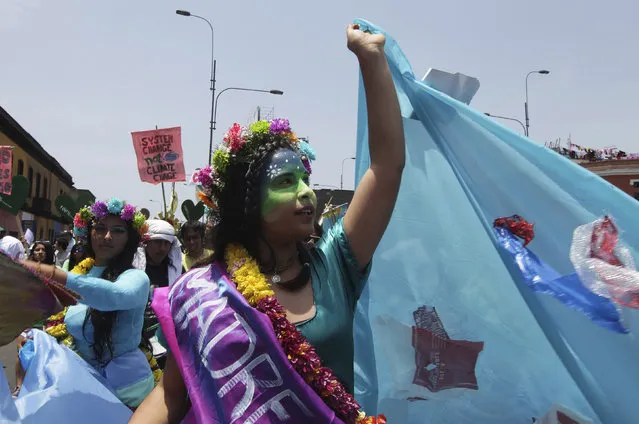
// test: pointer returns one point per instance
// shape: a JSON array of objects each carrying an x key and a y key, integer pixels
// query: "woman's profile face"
[{"x": 288, "y": 203}]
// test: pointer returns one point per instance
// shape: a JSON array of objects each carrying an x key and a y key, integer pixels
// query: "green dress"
[{"x": 338, "y": 281}]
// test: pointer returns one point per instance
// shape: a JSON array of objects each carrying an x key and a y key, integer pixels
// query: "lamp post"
[
  {"x": 508, "y": 119},
  {"x": 213, "y": 68},
  {"x": 275, "y": 92},
  {"x": 541, "y": 72},
  {"x": 341, "y": 177}
]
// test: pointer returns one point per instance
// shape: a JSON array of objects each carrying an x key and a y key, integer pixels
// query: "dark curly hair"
[
  {"x": 196, "y": 226},
  {"x": 239, "y": 201},
  {"x": 48, "y": 252},
  {"x": 103, "y": 320}
]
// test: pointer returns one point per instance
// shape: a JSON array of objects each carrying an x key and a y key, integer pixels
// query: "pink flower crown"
[
  {"x": 239, "y": 145},
  {"x": 99, "y": 210}
]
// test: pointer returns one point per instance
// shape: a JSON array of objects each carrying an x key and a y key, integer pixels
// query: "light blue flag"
[
  {"x": 60, "y": 387},
  {"x": 457, "y": 334}
]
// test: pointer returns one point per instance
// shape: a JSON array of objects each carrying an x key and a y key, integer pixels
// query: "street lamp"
[
  {"x": 508, "y": 119},
  {"x": 541, "y": 72},
  {"x": 275, "y": 92},
  {"x": 213, "y": 67},
  {"x": 341, "y": 177}
]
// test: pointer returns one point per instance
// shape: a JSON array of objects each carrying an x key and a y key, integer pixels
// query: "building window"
[
  {"x": 45, "y": 188},
  {"x": 30, "y": 178},
  {"x": 20, "y": 167},
  {"x": 37, "y": 190}
]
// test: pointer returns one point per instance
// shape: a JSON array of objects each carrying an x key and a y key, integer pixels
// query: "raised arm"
[{"x": 373, "y": 202}]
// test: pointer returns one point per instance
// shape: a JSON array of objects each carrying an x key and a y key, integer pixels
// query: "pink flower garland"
[{"x": 307, "y": 363}]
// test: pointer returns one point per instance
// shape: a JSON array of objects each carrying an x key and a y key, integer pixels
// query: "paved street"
[{"x": 8, "y": 359}]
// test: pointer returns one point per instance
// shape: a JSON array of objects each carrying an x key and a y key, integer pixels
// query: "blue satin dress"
[{"x": 338, "y": 281}]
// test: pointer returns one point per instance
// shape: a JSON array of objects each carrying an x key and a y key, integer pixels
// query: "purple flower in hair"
[
  {"x": 100, "y": 209},
  {"x": 127, "y": 212},
  {"x": 205, "y": 176},
  {"x": 307, "y": 164},
  {"x": 280, "y": 126}
]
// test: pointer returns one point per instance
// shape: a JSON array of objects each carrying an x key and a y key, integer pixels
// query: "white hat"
[{"x": 162, "y": 230}]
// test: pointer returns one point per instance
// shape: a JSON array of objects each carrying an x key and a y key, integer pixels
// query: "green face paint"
[{"x": 285, "y": 185}]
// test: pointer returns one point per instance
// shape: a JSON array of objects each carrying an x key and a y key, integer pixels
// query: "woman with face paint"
[{"x": 264, "y": 334}]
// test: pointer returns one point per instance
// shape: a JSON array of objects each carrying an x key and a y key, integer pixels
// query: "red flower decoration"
[
  {"x": 517, "y": 226},
  {"x": 235, "y": 138},
  {"x": 308, "y": 365},
  {"x": 53, "y": 323},
  {"x": 603, "y": 242}
]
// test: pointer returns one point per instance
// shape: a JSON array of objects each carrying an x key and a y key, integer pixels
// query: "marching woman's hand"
[{"x": 364, "y": 44}]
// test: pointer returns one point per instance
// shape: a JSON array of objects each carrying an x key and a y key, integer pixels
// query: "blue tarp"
[
  {"x": 60, "y": 387},
  {"x": 464, "y": 170}
]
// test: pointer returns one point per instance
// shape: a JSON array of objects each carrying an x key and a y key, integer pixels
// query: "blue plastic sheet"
[
  {"x": 60, "y": 387},
  {"x": 464, "y": 170}
]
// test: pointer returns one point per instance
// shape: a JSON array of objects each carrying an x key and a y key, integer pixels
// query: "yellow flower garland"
[
  {"x": 83, "y": 267},
  {"x": 55, "y": 326},
  {"x": 250, "y": 281}
]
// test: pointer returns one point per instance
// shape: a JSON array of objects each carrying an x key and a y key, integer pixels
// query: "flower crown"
[
  {"x": 88, "y": 214},
  {"x": 239, "y": 145}
]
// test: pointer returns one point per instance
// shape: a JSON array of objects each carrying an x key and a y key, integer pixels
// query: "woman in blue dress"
[{"x": 105, "y": 327}]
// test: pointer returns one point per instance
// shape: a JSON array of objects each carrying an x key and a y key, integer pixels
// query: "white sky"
[{"x": 81, "y": 75}]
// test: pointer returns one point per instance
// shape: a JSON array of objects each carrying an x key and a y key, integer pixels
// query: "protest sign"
[
  {"x": 159, "y": 155},
  {"x": 5, "y": 169}
]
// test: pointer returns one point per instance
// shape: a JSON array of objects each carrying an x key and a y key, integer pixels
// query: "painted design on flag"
[{"x": 442, "y": 363}]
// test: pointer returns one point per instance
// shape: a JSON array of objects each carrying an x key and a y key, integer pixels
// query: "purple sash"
[{"x": 233, "y": 366}]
